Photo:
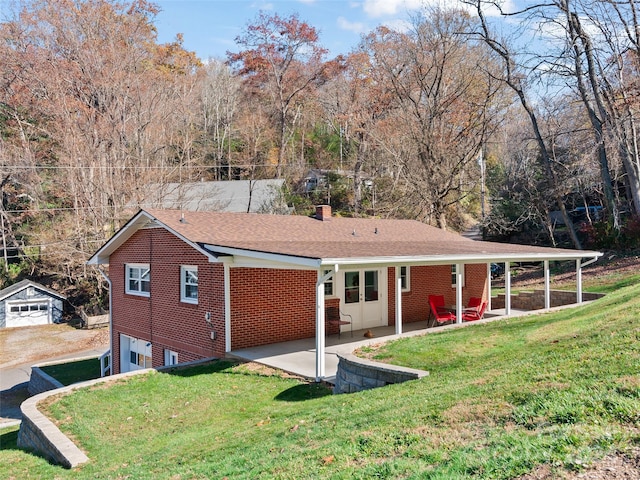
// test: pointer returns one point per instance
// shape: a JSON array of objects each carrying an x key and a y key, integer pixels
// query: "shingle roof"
[
  {"x": 337, "y": 237},
  {"x": 220, "y": 196},
  {"x": 22, "y": 284}
]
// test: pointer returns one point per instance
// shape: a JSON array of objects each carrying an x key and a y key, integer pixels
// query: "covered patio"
[{"x": 299, "y": 357}]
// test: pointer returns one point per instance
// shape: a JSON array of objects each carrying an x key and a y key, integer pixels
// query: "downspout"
[
  {"x": 110, "y": 323},
  {"x": 579, "y": 267}
]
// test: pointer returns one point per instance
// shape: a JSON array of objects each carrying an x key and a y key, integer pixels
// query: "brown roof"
[{"x": 338, "y": 237}]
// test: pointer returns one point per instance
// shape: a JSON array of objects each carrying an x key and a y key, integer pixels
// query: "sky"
[{"x": 210, "y": 26}]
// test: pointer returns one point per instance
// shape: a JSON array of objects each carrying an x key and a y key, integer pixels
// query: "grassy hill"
[{"x": 559, "y": 389}]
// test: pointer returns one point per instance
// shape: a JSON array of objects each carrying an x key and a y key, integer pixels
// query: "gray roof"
[
  {"x": 21, "y": 285},
  {"x": 334, "y": 240},
  {"x": 240, "y": 196}
]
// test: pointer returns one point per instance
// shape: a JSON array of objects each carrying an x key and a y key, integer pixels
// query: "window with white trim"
[
  {"x": 170, "y": 358},
  {"x": 189, "y": 284},
  {"x": 138, "y": 279},
  {"x": 328, "y": 284},
  {"x": 405, "y": 279},
  {"x": 453, "y": 275}
]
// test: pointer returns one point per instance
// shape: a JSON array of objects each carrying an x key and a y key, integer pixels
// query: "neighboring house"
[
  {"x": 192, "y": 285},
  {"x": 29, "y": 303},
  {"x": 242, "y": 196}
]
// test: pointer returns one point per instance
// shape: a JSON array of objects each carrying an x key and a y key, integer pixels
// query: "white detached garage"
[{"x": 29, "y": 303}]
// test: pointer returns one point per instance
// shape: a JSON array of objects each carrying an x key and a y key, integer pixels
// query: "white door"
[
  {"x": 364, "y": 297},
  {"x": 135, "y": 354}
]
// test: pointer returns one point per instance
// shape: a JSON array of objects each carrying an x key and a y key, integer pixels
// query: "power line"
[
  {"x": 157, "y": 204},
  {"x": 172, "y": 168}
]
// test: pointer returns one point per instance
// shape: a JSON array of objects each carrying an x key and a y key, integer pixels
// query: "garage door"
[{"x": 23, "y": 314}]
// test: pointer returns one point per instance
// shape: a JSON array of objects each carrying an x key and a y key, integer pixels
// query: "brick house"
[{"x": 191, "y": 285}]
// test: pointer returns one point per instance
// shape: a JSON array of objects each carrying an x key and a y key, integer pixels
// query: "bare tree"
[
  {"x": 220, "y": 94},
  {"x": 515, "y": 78},
  {"x": 91, "y": 84},
  {"x": 447, "y": 103}
]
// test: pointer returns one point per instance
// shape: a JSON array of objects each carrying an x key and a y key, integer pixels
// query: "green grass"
[
  {"x": 559, "y": 389},
  {"x": 74, "y": 372}
]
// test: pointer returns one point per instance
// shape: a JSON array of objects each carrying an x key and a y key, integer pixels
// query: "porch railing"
[{"x": 105, "y": 363}]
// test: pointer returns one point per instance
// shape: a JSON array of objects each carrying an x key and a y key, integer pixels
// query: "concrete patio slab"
[{"x": 298, "y": 357}]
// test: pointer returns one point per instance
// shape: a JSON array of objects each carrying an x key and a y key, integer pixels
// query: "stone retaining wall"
[
  {"x": 534, "y": 300},
  {"x": 356, "y": 374},
  {"x": 40, "y": 434},
  {"x": 42, "y": 382}
]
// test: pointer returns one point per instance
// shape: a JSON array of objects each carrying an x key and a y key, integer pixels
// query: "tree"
[
  {"x": 96, "y": 101},
  {"x": 516, "y": 79},
  {"x": 220, "y": 97},
  {"x": 587, "y": 46},
  {"x": 282, "y": 57},
  {"x": 447, "y": 105}
]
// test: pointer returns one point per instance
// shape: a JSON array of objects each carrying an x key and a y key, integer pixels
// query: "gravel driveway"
[{"x": 22, "y": 347}]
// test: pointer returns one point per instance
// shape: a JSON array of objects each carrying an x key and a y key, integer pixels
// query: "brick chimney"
[{"x": 323, "y": 212}]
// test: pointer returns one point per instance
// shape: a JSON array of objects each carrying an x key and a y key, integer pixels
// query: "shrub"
[{"x": 602, "y": 235}]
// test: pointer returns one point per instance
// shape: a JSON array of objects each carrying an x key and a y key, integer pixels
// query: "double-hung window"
[
  {"x": 454, "y": 274},
  {"x": 404, "y": 279},
  {"x": 328, "y": 284},
  {"x": 138, "y": 279},
  {"x": 189, "y": 284}
]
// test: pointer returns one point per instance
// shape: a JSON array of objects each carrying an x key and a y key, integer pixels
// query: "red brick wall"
[
  {"x": 433, "y": 280},
  {"x": 162, "y": 318},
  {"x": 270, "y": 306},
  {"x": 267, "y": 305}
]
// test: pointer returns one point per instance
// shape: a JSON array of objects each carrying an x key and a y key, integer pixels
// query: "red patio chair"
[
  {"x": 475, "y": 310},
  {"x": 442, "y": 315}
]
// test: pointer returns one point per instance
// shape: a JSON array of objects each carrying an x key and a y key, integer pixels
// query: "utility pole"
[{"x": 482, "y": 163}]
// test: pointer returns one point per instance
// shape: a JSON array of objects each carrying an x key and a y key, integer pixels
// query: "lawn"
[
  {"x": 74, "y": 372},
  {"x": 559, "y": 389}
]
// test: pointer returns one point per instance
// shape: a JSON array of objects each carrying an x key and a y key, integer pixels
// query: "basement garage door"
[{"x": 24, "y": 314}]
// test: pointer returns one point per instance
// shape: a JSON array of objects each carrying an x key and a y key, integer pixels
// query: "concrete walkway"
[{"x": 299, "y": 356}]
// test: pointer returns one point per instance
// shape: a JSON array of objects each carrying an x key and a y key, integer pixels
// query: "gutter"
[
  {"x": 452, "y": 259},
  {"x": 582, "y": 265}
]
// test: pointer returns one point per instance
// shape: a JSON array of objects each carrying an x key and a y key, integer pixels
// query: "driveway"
[{"x": 20, "y": 348}]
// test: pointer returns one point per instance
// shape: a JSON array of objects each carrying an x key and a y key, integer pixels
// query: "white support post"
[
  {"x": 458, "y": 293},
  {"x": 579, "y": 280},
  {"x": 547, "y": 288},
  {"x": 488, "y": 286},
  {"x": 398, "y": 301},
  {"x": 320, "y": 329},
  {"x": 507, "y": 288},
  {"x": 227, "y": 308}
]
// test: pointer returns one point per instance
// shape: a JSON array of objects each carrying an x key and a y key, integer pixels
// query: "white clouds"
[
  {"x": 399, "y": 25},
  {"x": 356, "y": 27},
  {"x": 390, "y": 8},
  {"x": 381, "y": 8},
  {"x": 262, "y": 6}
]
